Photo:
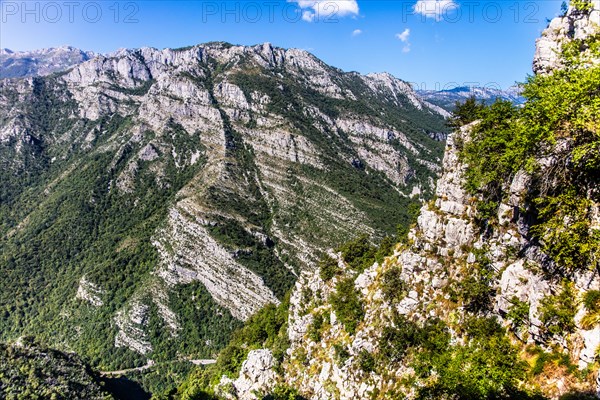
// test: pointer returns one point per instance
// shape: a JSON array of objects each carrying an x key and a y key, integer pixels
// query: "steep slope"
[
  {"x": 18, "y": 64},
  {"x": 29, "y": 371},
  {"x": 496, "y": 291},
  {"x": 151, "y": 200}
]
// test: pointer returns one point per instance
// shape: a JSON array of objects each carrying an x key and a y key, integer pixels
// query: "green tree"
[{"x": 465, "y": 113}]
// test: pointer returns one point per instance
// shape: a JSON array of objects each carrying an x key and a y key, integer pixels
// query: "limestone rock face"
[
  {"x": 87, "y": 291},
  {"x": 198, "y": 257},
  {"x": 574, "y": 25},
  {"x": 226, "y": 169},
  {"x": 257, "y": 375},
  {"x": 444, "y": 247}
]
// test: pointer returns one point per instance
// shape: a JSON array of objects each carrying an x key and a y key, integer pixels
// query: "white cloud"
[
  {"x": 308, "y": 16},
  {"x": 404, "y": 38},
  {"x": 435, "y": 8},
  {"x": 326, "y": 9},
  {"x": 356, "y": 32}
]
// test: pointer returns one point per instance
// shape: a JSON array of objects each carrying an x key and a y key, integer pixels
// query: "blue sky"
[{"x": 432, "y": 43}]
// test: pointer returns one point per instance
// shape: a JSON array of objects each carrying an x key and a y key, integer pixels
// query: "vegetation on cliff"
[{"x": 558, "y": 126}]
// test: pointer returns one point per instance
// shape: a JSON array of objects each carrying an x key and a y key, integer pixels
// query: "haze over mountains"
[
  {"x": 447, "y": 98},
  {"x": 40, "y": 62}
]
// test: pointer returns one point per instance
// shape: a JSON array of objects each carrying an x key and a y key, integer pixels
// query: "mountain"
[
  {"x": 40, "y": 62},
  {"x": 152, "y": 200},
  {"x": 493, "y": 294},
  {"x": 447, "y": 98}
]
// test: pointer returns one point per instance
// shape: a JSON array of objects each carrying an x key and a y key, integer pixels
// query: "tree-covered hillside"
[
  {"x": 493, "y": 294},
  {"x": 30, "y": 371},
  {"x": 146, "y": 211}
]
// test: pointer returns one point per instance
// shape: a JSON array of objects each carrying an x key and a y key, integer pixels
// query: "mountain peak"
[{"x": 41, "y": 62}]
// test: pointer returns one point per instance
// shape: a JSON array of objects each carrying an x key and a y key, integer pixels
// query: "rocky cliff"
[
  {"x": 445, "y": 248},
  {"x": 575, "y": 25},
  {"x": 474, "y": 304},
  {"x": 153, "y": 199}
]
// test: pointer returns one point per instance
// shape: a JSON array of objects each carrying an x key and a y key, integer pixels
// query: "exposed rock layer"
[{"x": 240, "y": 165}]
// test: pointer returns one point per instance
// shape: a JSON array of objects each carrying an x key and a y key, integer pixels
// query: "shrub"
[
  {"x": 475, "y": 290},
  {"x": 557, "y": 312},
  {"x": 328, "y": 268},
  {"x": 566, "y": 230},
  {"x": 556, "y": 359},
  {"x": 591, "y": 300},
  {"x": 385, "y": 249},
  {"x": 465, "y": 113},
  {"x": 347, "y": 305},
  {"x": 492, "y": 154},
  {"x": 396, "y": 341},
  {"x": 487, "y": 210},
  {"x": 518, "y": 312},
  {"x": 359, "y": 254},
  {"x": 392, "y": 285},
  {"x": 341, "y": 353},
  {"x": 366, "y": 361},
  {"x": 486, "y": 367},
  {"x": 314, "y": 330}
]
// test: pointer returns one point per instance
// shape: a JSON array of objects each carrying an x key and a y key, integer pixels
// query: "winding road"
[{"x": 151, "y": 364}]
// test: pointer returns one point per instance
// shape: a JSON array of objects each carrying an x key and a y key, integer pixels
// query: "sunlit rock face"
[
  {"x": 575, "y": 25},
  {"x": 18, "y": 64},
  {"x": 326, "y": 361},
  {"x": 239, "y": 165}
]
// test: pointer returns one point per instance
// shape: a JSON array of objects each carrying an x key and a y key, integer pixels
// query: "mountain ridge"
[
  {"x": 182, "y": 190},
  {"x": 448, "y": 98},
  {"x": 42, "y": 62},
  {"x": 495, "y": 291}
]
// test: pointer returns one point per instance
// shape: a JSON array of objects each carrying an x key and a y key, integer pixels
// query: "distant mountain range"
[
  {"x": 17, "y": 64},
  {"x": 447, "y": 98}
]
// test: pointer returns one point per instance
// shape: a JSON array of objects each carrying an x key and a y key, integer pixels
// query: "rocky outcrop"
[
  {"x": 132, "y": 323},
  {"x": 574, "y": 25},
  {"x": 257, "y": 376},
  {"x": 443, "y": 247},
  {"x": 196, "y": 256},
  {"x": 88, "y": 291},
  {"x": 400, "y": 91},
  {"x": 447, "y": 246}
]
